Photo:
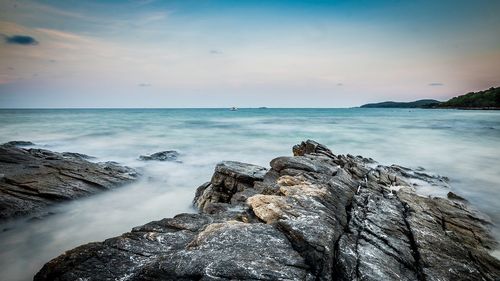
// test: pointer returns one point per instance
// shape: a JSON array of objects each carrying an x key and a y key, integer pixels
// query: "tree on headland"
[{"x": 483, "y": 99}]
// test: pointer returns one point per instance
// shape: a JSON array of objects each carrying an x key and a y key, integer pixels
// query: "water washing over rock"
[
  {"x": 313, "y": 216},
  {"x": 168, "y": 155},
  {"x": 33, "y": 179}
]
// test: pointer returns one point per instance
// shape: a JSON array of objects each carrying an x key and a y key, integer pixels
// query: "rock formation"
[
  {"x": 314, "y": 216},
  {"x": 32, "y": 179},
  {"x": 168, "y": 155},
  {"x": 232, "y": 182}
]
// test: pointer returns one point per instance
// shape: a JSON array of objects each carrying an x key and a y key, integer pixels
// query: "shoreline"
[
  {"x": 469, "y": 108},
  {"x": 309, "y": 216},
  {"x": 123, "y": 137},
  {"x": 451, "y": 108}
]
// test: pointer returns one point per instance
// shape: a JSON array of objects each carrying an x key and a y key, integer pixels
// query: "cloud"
[
  {"x": 151, "y": 18},
  {"x": 340, "y": 84},
  {"x": 144, "y": 85},
  {"x": 436, "y": 84},
  {"x": 21, "y": 40},
  {"x": 215, "y": 52},
  {"x": 62, "y": 35}
]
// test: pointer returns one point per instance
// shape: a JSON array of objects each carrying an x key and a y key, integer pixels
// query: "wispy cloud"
[
  {"x": 78, "y": 19},
  {"x": 62, "y": 35},
  {"x": 203, "y": 52},
  {"x": 76, "y": 55},
  {"x": 151, "y": 18},
  {"x": 30, "y": 7}
]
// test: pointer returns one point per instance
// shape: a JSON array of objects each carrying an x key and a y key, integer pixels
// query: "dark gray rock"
[
  {"x": 311, "y": 147},
  {"x": 76, "y": 155},
  {"x": 229, "y": 178},
  {"x": 168, "y": 155},
  {"x": 33, "y": 179},
  {"x": 316, "y": 216},
  {"x": 176, "y": 249},
  {"x": 18, "y": 143},
  {"x": 454, "y": 196}
]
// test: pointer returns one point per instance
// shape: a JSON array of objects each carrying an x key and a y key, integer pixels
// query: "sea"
[{"x": 459, "y": 144}]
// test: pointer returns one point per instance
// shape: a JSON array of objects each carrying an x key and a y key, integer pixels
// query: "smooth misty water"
[{"x": 463, "y": 145}]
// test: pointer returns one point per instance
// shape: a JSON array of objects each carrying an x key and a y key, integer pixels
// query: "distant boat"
[
  {"x": 234, "y": 108},
  {"x": 262, "y": 107}
]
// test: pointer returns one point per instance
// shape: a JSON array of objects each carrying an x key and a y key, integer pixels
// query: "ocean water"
[{"x": 462, "y": 145}]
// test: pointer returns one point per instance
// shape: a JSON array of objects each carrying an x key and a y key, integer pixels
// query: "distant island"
[
  {"x": 393, "y": 104},
  {"x": 487, "y": 99}
]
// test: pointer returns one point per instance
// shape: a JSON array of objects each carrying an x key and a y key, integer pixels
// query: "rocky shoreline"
[
  {"x": 313, "y": 216},
  {"x": 33, "y": 179}
]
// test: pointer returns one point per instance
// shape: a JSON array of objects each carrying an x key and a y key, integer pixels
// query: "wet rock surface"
[
  {"x": 33, "y": 179},
  {"x": 18, "y": 143},
  {"x": 168, "y": 155},
  {"x": 314, "y": 216}
]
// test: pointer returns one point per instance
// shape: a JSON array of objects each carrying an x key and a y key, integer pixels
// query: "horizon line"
[{"x": 262, "y": 107}]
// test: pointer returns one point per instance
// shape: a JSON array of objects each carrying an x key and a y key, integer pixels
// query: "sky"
[{"x": 202, "y": 53}]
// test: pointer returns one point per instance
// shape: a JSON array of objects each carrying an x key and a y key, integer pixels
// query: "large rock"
[
  {"x": 33, "y": 179},
  {"x": 315, "y": 216}
]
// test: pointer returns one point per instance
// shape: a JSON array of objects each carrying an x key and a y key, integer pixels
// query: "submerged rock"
[
  {"x": 315, "y": 216},
  {"x": 33, "y": 179},
  {"x": 168, "y": 155},
  {"x": 454, "y": 196}
]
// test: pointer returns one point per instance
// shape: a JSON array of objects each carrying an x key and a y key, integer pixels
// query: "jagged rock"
[
  {"x": 32, "y": 179},
  {"x": 315, "y": 216},
  {"x": 230, "y": 178},
  {"x": 311, "y": 147},
  {"x": 168, "y": 155}
]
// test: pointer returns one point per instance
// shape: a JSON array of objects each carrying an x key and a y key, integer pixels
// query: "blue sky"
[{"x": 244, "y": 53}]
